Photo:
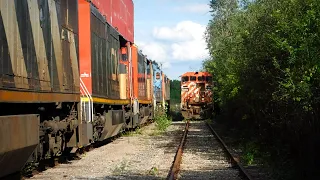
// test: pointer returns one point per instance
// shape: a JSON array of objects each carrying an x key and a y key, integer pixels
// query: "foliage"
[
  {"x": 250, "y": 153},
  {"x": 154, "y": 171},
  {"x": 175, "y": 92},
  {"x": 162, "y": 120},
  {"x": 265, "y": 61}
]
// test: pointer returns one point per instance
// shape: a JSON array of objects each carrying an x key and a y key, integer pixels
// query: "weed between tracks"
[
  {"x": 162, "y": 120},
  {"x": 153, "y": 171},
  {"x": 137, "y": 131},
  {"x": 118, "y": 170}
]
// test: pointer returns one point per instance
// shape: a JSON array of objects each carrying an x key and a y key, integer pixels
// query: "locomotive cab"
[{"x": 196, "y": 91}]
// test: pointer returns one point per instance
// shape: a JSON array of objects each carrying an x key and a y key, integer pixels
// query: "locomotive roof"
[{"x": 196, "y": 74}]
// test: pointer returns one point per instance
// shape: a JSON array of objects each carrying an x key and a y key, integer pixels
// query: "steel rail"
[
  {"x": 175, "y": 168},
  {"x": 228, "y": 152}
]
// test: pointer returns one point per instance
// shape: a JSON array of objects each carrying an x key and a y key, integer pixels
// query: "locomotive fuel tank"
[{"x": 19, "y": 137}]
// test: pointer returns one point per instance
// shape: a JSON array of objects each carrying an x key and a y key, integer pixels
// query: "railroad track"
[{"x": 203, "y": 155}]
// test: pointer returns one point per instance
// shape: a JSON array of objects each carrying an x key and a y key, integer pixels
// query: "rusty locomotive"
[{"x": 67, "y": 79}]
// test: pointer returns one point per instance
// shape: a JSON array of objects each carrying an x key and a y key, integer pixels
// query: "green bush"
[
  {"x": 162, "y": 120},
  {"x": 264, "y": 55}
]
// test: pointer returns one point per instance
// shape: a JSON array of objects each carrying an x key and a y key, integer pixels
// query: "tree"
[
  {"x": 265, "y": 59},
  {"x": 175, "y": 91}
]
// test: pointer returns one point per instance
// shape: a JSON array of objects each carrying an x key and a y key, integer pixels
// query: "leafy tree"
[
  {"x": 265, "y": 62},
  {"x": 175, "y": 91}
]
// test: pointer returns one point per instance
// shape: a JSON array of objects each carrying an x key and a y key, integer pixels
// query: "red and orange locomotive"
[{"x": 196, "y": 91}]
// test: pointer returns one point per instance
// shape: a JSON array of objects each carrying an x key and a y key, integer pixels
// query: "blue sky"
[{"x": 172, "y": 33}]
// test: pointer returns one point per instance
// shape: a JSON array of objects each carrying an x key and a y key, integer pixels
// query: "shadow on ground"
[
  {"x": 133, "y": 176},
  {"x": 195, "y": 175},
  {"x": 176, "y": 116}
]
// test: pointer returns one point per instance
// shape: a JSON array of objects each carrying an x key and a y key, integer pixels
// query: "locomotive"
[
  {"x": 196, "y": 93},
  {"x": 67, "y": 79}
]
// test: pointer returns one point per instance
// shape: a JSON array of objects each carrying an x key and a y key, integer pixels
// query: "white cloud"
[
  {"x": 189, "y": 51},
  {"x": 153, "y": 50},
  {"x": 183, "y": 31},
  {"x": 178, "y": 33},
  {"x": 184, "y": 42},
  {"x": 194, "y": 8}
]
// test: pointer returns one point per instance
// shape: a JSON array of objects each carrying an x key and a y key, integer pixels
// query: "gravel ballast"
[
  {"x": 203, "y": 156},
  {"x": 144, "y": 155}
]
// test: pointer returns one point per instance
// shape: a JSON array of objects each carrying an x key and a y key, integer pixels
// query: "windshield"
[
  {"x": 209, "y": 78},
  {"x": 200, "y": 78},
  {"x": 185, "y": 79},
  {"x": 193, "y": 78}
]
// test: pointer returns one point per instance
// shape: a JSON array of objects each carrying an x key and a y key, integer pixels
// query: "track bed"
[
  {"x": 203, "y": 157},
  {"x": 143, "y": 155}
]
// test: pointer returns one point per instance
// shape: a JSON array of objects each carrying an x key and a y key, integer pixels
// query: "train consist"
[
  {"x": 196, "y": 92},
  {"x": 68, "y": 78}
]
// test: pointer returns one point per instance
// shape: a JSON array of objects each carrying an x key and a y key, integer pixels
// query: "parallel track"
[{"x": 175, "y": 169}]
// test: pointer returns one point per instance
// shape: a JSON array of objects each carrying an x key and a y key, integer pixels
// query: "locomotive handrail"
[{"x": 90, "y": 100}]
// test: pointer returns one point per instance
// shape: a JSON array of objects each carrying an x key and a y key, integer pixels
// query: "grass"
[
  {"x": 155, "y": 133},
  {"x": 118, "y": 170},
  {"x": 250, "y": 153},
  {"x": 153, "y": 171},
  {"x": 137, "y": 131},
  {"x": 162, "y": 122}
]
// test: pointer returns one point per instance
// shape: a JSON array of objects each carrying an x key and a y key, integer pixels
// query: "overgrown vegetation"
[
  {"x": 265, "y": 61},
  {"x": 162, "y": 119}
]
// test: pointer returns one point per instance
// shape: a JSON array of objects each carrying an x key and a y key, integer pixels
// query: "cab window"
[
  {"x": 193, "y": 78},
  {"x": 200, "y": 78},
  {"x": 185, "y": 79},
  {"x": 209, "y": 78}
]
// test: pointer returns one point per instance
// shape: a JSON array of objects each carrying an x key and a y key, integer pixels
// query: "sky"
[{"x": 171, "y": 32}]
